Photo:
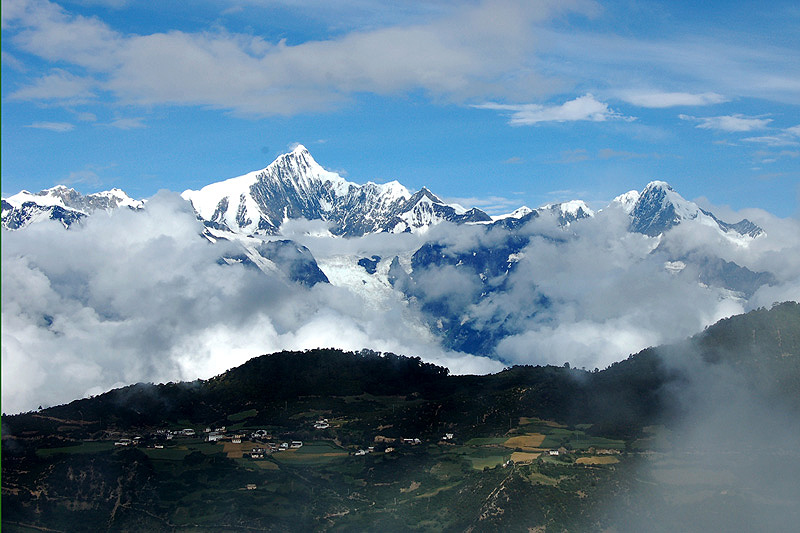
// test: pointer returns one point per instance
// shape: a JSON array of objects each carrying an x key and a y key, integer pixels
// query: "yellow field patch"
[
  {"x": 597, "y": 460},
  {"x": 235, "y": 451},
  {"x": 310, "y": 456},
  {"x": 529, "y": 441},
  {"x": 524, "y": 457},
  {"x": 525, "y": 420}
]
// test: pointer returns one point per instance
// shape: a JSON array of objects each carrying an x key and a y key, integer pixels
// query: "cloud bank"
[
  {"x": 585, "y": 107},
  {"x": 131, "y": 297},
  {"x": 140, "y": 297},
  {"x": 460, "y": 54}
]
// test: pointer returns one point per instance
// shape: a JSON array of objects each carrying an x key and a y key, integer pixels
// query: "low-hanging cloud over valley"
[{"x": 140, "y": 296}]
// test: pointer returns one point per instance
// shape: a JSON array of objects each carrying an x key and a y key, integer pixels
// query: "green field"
[
  {"x": 242, "y": 415},
  {"x": 314, "y": 453},
  {"x": 486, "y": 441},
  {"x": 84, "y": 447}
]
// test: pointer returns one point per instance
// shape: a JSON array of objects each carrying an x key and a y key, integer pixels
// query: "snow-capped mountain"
[
  {"x": 626, "y": 201},
  {"x": 517, "y": 213},
  {"x": 567, "y": 212},
  {"x": 564, "y": 212},
  {"x": 480, "y": 285},
  {"x": 60, "y": 203},
  {"x": 659, "y": 208},
  {"x": 296, "y": 186}
]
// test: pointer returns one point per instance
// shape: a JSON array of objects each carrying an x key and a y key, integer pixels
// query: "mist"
[
  {"x": 140, "y": 296},
  {"x": 727, "y": 460},
  {"x": 131, "y": 297}
]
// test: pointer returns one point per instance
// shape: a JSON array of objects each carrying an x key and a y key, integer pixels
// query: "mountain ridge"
[
  {"x": 62, "y": 204},
  {"x": 295, "y": 186}
]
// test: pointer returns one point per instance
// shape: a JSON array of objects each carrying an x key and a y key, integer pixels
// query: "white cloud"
[
  {"x": 750, "y": 67},
  {"x": 610, "y": 153},
  {"x": 59, "y": 127},
  {"x": 584, "y": 107},
  {"x": 670, "y": 99},
  {"x": 128, "y": 123},
  {"x": 140, "y": 297},
  {"x": 786, "y": 137},
  {"x": 461, "y": 54},
  {"x": 729, "y": 123},
  {"x": 11, "y": 61},
  {"x": 86, "y": 117},
  {"x": 89, "y": 177},
  {"x": 58, "y": 85},
  {"x": 130, "y": 297}
]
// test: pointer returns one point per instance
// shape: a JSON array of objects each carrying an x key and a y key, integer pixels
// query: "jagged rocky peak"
[
  {"x": 659, "y": 208},
  {"x": 60, "y": 203},
  {"x": 64, "y": 196},
  {"x": 296, "y": 186},
  {"x": 425, "y": 194},
  {"x": 517, "y": 213},
  {"x": 626, "y": 201},
  {"x": 567, "y": 212}
]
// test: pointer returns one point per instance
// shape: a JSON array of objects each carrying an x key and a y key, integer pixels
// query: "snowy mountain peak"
[
  {"x": 567, "y": 212},
  {"x": 60, "y": 203},
  {"x": 296, "y": 186},
  {"x": 657, "y": 184},
  {"x": 659, "y": 208},
  {"x": 425, "y": 194},
  {"x": 573, "y": 208},
  {"x": 515, "y": 214},
  {"x": 521, "y": 212},
  {"x": 626, "y": 201},
  {"x": 300, "y": 149}
]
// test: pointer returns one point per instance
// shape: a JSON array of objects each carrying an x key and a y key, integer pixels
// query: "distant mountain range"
[
  {"x": 62, "y": 204},
  {"x": 248, "y": 212},
  {"x": 295, "y": 186}
]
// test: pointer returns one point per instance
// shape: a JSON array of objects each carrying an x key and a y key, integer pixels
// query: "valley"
[{"x": 326, "y": 440}]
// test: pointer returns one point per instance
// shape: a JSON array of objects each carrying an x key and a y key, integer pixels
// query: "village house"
[{"x": 260, "y": 434}]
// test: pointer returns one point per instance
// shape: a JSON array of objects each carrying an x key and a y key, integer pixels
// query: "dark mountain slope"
[{"x": 62, "y": 471}]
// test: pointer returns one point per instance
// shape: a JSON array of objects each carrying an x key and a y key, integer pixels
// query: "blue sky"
[{"x": 494, "y": 104}]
